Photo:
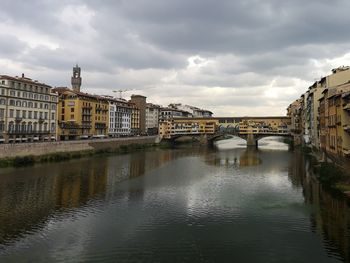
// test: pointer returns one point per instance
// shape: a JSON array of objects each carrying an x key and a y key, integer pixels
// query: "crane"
[{"x": 121, "y": 91}]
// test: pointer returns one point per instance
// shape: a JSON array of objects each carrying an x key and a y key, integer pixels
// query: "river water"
[{"x": 189, "y": 204}]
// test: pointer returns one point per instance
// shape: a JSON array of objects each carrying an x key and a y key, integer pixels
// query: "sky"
[{"x": 235, "y": 58}]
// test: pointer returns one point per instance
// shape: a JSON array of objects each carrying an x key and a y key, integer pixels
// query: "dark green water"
[{"x": 182, "y": 205}]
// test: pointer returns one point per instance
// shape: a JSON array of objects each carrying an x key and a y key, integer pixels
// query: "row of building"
[
  {"x": 34, "y": 111},
  {"x": 320, "y": 118}
]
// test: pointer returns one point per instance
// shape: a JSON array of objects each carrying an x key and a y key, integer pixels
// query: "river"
[{"x": 189, "y": 204}]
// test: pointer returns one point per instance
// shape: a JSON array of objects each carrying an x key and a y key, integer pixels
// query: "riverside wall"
[{"x": 42, "y": 148}]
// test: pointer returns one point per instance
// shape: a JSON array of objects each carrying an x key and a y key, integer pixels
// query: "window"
[
  {"x": 30, "y": 114},
  {"x": 71, "y": 109},
  {"x": 24, "y": 114},
  {"x": 2, "y": 113},
  {"x": 11, "y": 113},
  {"x": 45, "y": 115}
]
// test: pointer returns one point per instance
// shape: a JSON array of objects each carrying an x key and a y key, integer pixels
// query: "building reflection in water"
[
  {"x": 331, "y": 215},
  {"x": 235, "y": 157},
  {"x": 28, "y": 199}
]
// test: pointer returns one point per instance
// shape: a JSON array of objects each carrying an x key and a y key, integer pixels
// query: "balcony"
[
  {"x": 87, "y": 107},
  {"x": 30, "y": 132},
  {"x": 41, "y": 120},
  {"x": 18, "y": 119}
]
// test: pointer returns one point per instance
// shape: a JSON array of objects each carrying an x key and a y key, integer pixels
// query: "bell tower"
[{"x": 76, "y": 78}]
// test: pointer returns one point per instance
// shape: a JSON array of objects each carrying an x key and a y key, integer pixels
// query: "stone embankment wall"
[{"x": 42, "y": 148}]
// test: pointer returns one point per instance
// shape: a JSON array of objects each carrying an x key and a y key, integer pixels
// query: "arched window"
[
  {"x": 2, "y": 102},
  {"x": 12, "y": 103},
  {"x": 18, "y": 103}
]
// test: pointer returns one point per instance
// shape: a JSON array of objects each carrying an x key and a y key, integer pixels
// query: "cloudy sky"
[{"x": 236, "y": 58}]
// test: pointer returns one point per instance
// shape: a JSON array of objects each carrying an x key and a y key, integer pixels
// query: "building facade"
[
  {"x": 135, "y": 120},
  {"x": 187, "y": 126},
  {"x": 120, "y": 112},
  {"x": 152, "y": 118},
  {"x": 27, "y": 110},
  {"x": 195, "y": 111},
  {"x": 140, "y": 102},
  {"x": 171, "y": 113},
  {"x": 81, "y": 115}
]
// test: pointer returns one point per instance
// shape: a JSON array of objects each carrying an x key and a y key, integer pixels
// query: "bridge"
[{"x": 251, "y": 129}]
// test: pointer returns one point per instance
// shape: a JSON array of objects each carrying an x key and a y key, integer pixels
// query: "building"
[
  {"x": 187, "y": 126},
  {"x": 294, "y": 111},
  {"x": 171, "y": 113},
  {"x": 152, "y": 118},
  {"x": 135, "y": 119},
  {"x": 76, "y": 78},
  {"x": 81, "y": 115},
  {"x": 27, "y": 110},
  {"x": 196, "y": 112},
  {"x": 119, "y": 117},
  {"x": 140, "y": 102},
  {"x": 311, "y": 100},
  {"x": 335, "y": 121}
]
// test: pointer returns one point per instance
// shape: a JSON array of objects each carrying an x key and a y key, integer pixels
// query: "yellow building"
[
  {"x": 187, "y": 126},
  {"x": 81, "y": 115},
  {"x": 334, "y": 114},
  {"x": 135, "y": 119}
]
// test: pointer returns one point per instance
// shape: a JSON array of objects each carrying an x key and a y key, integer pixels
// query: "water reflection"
[
  {"x": 225, "y": 203},
  {"x": 331, "y": 217}
]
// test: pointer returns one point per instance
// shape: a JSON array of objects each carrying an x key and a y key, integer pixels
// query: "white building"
[
  {"x": 119, "y": 117},
  {"x": 27, "y": 110},
  {"x": 152, "y": 118},
  {"x": 196, "y": 112}
]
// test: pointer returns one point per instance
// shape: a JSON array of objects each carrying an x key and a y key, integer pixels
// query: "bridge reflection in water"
[{"x": 39, "y": 205}]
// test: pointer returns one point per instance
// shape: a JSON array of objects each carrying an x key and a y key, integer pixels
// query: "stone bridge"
[{"x": 207, "y": 130}]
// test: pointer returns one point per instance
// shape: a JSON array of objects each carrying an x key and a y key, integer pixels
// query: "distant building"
[
  {"x": 152, "y": 118},
  {"x": 170, "y": 113},
  {"x": 76, "y": 78},
  {"x": 294, "y": 111},
  {"x": 335, "y": 120},
  {"x": 135, "y": 119},
  {"x": 196, "y": 112},
  {"x": 140, "y": 102},
  {"x": 27, "y": 110},
  {"x": 119, "y": 117}
]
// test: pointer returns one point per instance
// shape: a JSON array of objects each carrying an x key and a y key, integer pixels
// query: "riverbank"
[
  {"x": 27, "y": 154},
  {"x": 331, "y": 174}
]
